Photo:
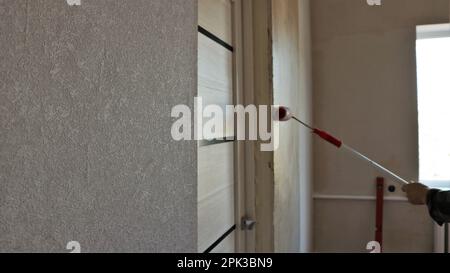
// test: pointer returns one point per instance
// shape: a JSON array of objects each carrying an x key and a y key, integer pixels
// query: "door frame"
[{"x": 254, "y": 174}]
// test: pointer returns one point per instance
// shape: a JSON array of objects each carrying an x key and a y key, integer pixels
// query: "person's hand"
[{"x": 416, "y": 193}]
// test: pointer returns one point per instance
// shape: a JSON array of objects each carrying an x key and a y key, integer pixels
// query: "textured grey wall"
[{"x": 85, "y": 146}]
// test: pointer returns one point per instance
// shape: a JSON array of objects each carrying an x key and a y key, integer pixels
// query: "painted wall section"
[
  {"x": 286, "y": 157},
  {"x": 260, "y": 170},
  {"x": 364, "y": 76},
  {"x": 305, "y": 137},
  {"x": 292, "y": 88},
  {"x": 86, "y": 152}
]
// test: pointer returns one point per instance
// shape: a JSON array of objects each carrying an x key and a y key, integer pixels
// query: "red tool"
[
  {"x": 379, "y": 211},
  {"x": 285, "y": 114}
]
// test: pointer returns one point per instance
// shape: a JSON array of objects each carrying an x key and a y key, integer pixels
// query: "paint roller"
[{"x": 284, "y": 114}]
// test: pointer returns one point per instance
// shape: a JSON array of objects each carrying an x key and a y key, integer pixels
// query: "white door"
[{"x": 216, "y": 185}]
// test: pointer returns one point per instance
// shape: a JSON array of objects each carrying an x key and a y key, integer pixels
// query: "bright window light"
[{"x": 433, "y": 76}]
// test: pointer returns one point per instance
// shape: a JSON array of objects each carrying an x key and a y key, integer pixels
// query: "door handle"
[{"x": 247, "y": 223}]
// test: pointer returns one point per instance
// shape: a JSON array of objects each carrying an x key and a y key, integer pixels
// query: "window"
[{"x": 433, "y": 83}]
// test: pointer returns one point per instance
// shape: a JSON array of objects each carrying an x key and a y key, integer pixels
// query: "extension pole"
[{"x": 285, "y": 114}]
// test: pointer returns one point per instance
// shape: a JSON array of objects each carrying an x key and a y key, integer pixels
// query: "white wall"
[
  {"x": 305, "y": 137},
  {"x": 286, "y": 158},
  {"x": 365, "y": 92},
  {"x": 292, "y": 161}
]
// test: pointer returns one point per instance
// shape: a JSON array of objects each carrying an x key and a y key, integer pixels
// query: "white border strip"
[{"x": 433, "y": 31}]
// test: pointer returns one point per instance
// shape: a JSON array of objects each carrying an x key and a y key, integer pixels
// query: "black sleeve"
[{"x": 438, "y": 203}]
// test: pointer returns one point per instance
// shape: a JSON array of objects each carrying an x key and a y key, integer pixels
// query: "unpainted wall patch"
[{"x": 73, "y": 2}]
